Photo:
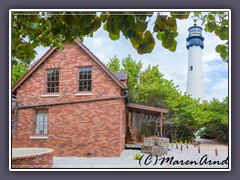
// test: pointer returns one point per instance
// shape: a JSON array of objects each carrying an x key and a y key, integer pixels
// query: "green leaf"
[
  {"x": 148, "y": 38},
  {"x": 174, "y": 46},
  {"x": 147, "y": 45},
  {"x": 96, "y": 24},
  {"x": 223, "y": 33},
  {"x": 113, "y": 24},
  {"x": 105, "y": 26},
  {"x": 172, "y": 23},
  {"x": 212, "y": 26},
  {"x": 219, "y": 48},
  {"x": 160, "y": 35},
  {"x": 168, "y": 43},
  {"x": 174, "y": 34},
  {"x": 141, "y": 25},
  {"x": 71, "y": 20},
  {"x": 103, "y": 16},
  {"x": 197, "y": 13},
  {"x": 137, "y": 38},
  {"x": 114, "y": 37},
  {"x": 160, "y": 23},
  {"x": 210, "y": 17},
  {"x": 135, "y": 46},
  {"x": 180, "y": 14}
]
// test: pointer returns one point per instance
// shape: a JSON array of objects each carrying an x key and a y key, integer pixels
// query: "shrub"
[{"x": 137, "y": 156}]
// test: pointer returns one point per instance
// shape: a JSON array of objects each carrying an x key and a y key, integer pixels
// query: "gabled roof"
[
  {"x": 121, "y": 75},
  {"x": 50, "y": 51}
]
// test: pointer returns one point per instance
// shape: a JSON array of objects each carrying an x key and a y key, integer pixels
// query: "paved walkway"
[{"x": 187, "y": 158}]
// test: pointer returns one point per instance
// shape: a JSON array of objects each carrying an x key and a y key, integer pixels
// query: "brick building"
[{"x": 70, "y": 102}]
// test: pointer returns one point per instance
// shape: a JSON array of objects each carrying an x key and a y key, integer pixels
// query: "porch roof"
[{"x": 146, "y": 109}]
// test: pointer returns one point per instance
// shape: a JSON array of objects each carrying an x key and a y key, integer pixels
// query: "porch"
[{"x": 142, "y": 121}]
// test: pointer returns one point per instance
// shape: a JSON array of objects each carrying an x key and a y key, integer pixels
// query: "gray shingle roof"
[{"x": 121, "y": 75}]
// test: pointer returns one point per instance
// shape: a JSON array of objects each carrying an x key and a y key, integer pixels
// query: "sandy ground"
[{"x": 187, "y": 158}]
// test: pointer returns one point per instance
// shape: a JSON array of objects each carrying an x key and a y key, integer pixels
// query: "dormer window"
[
  {"x": 85, "y": 80},
  {"x": 52, "y": 83}
]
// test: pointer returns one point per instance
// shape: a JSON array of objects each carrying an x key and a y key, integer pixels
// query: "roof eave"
[
  {"x": 32, "y": 69},
  {"x": 100, "y": 64}
]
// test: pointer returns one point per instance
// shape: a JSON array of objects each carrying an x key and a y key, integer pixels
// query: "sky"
[{"x": 172, "y": 64}]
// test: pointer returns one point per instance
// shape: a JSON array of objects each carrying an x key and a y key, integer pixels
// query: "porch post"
[
  {"x": 160, "y": 118},
  {"x": 129, "y": 119}
]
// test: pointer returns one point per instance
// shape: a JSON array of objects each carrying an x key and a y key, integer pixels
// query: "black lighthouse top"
[{"x": 195, "y": 37}]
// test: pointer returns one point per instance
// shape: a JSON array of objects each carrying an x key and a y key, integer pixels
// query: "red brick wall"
[
  {"x": 74, "y": 129},
  {"x": 69, "y": 61}
]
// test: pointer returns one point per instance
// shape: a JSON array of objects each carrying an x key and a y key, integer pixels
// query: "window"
[
  {"x": 85, "y": 79},
  {"x": 41, "y": 123},
  {"x": 52, "y": 84},
  {"x": 191, "y": 68}
]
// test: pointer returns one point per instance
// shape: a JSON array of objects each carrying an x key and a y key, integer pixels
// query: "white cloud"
[
  {"x": 215, "y": 66},
  {"x": 98, "y": 42},
  {"x": 221, "y": 85},
  {"x": 208, "y": 57},
  {"x": 207, "y": 80},
  {"x": 216, "y": 93}
]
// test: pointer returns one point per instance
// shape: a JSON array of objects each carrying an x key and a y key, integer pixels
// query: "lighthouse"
[{"x": 195, "y": 82}]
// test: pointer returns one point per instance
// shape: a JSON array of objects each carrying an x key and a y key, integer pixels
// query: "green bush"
[
  {"x": 205, "y": 133},
  {"x": 137, "y": 156}
]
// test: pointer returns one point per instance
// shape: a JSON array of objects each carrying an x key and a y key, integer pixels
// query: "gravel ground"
[{"x": 189, "y": 157}]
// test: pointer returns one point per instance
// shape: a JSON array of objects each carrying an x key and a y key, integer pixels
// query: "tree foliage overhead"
[
  {"x": 142, "y": 29},
  {"x": 217, "y": 23}
]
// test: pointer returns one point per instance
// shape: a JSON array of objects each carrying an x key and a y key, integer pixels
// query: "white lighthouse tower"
[{"x": 195, "y": 83}]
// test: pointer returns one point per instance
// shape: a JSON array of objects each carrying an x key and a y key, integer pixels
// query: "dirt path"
[{"x": 208, "y": 146}]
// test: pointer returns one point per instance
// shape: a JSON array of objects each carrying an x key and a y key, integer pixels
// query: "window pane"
[
  {"x": 52, "y": 78},
  {"x": 45, "y": 126},
  {"x": 89, "y": 85},
  {"x": 41, "y": 123},
  {"x": 85, "y": 76},
  {"x": 52, "y": 84},
  {"x": 80, "y": 88},
  {"x": 52, "y": 89},
  {"x": 39, "y": 128},
  {"x": 56, "y": 78},
  {"x": 89, "y": 71}
]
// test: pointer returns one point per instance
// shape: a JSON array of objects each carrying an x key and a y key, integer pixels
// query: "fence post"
[{"x": 216, "y": 152}]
